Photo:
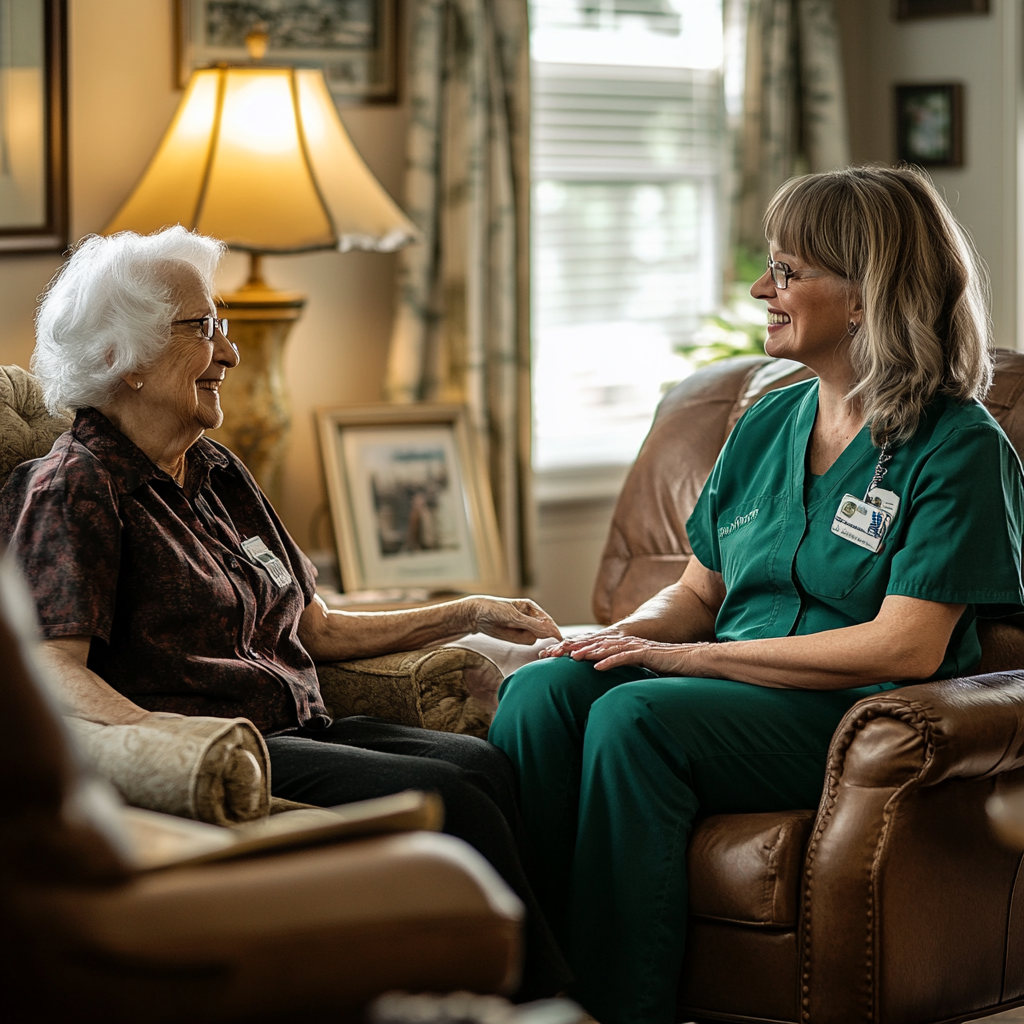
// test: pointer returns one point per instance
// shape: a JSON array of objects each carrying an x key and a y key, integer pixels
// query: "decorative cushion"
[{"x": 446, "y": 688}]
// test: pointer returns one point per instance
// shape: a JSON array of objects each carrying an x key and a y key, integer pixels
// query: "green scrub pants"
[{"x": 614, "y": 767}]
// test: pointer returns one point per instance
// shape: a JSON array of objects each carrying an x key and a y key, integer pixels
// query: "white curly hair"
[{"x": 108, "y": 311}]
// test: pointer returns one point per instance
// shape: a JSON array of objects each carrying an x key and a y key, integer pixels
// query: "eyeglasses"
[
  {"x": 208, "y": 325},
  {"x": 782, "y": 272}
]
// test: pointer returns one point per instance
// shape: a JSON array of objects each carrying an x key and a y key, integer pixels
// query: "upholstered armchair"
[{"x": 892, "y": 902}]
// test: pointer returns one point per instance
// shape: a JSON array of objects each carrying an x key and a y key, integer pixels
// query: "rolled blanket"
[{"x": 210, "y": 769}]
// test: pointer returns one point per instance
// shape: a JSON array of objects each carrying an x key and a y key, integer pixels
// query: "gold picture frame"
[
  {"x": 354, "y": 43},
  {"x": 410, "y": 500}
]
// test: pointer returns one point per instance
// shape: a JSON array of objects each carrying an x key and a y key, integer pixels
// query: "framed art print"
[
  {"x": 929, "y": 124},
  {"x": 409, "y": 500},
  {"x": 354, "y": 42},
  {"x": 33, "y": 126}
]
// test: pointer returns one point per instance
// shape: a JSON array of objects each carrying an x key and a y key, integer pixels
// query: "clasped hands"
[{"x": 611, "y": 648}]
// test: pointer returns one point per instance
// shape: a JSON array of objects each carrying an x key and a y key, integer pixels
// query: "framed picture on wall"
[
  {"x": 409, "y": 500},
  {"x": 906, "y": 9},
  {"x": 354, "y": 42},
  {"x": 33, "y": 126},
  {"x": 929, "y": 124}
]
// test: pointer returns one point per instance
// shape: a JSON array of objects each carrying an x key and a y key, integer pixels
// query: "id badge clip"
[
  {"x": 861, "y": 522},
  {"x": 259, "y": 553}
]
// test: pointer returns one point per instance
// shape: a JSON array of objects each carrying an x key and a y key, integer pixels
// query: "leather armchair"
[{"x": 893, "y": 901}]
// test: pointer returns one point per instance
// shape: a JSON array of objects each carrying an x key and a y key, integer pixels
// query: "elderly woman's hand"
[{"x": 517, "y": 619}]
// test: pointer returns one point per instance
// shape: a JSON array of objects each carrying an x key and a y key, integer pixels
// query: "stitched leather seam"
[{"x": 915, "y": 716}]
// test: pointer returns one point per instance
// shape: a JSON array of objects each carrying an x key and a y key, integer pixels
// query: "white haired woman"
[
  {"x": 165, "y": 583},
  {"x": 852, "y": 531}
]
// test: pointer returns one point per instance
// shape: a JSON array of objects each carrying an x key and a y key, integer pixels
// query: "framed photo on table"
[
  {"x": 409, "y": 499},
  {"x": 33, "y": 126},
  {"x": 354, "y": 42},
  {"x": 929, "y": 124}
]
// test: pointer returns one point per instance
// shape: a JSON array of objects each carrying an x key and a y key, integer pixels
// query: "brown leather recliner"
[{"x": 893, "y": 902}]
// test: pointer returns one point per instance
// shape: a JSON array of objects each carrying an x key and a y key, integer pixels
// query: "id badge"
[
  {"x": 887, "y": 501},
  {"x": 861, "y": 523},
  {"x": 259, "y": 553}
]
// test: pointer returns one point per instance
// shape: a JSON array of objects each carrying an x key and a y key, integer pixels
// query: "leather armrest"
[
  {"x": 902, "y": 856},
  {"x": 970, "y": 728}
]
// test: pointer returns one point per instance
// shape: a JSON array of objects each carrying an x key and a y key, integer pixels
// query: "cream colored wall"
[
  {"x": 121, "y": 98},
  {"x": 984, "y": 53}
]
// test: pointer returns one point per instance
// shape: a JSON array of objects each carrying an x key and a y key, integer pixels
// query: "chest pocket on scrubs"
[
  {"x": 745, "y": 540},
  {"x": 830, "y": 566}
]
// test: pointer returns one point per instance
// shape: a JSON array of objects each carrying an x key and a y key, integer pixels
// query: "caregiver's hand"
[
  {"x": 667, "y": 659},
  {"x": 517, "y": 619},
  {"x": 571, "y": 644}
]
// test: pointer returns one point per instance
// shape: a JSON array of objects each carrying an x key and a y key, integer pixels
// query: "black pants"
[{"x": 360, "y": 758}]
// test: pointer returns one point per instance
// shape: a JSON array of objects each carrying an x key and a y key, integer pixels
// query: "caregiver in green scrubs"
[{"x": 852, "y": 531}]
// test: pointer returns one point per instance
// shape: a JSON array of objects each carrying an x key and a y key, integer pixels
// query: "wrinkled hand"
[
  {"x": 571, "y": 644},
  {"x": 517, "y": 619},
  {"x": 611, "y": 651}
]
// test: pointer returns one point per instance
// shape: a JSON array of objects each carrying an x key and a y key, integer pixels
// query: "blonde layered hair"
[{"x": 924, "y": 289}]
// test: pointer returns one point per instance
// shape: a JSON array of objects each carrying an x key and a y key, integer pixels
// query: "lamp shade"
[{"x": 258, "y": 157}]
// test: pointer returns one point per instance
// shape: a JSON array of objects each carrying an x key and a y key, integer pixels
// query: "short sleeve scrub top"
[{"x": 615, "y": 766}]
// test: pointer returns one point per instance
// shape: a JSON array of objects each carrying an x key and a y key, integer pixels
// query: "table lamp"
[{"x": 257, "y": 156}]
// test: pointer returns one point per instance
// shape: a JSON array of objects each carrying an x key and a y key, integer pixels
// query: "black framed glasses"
[
  {"x": 780, "y": 273},
  {"x": 208, "y": 325}
]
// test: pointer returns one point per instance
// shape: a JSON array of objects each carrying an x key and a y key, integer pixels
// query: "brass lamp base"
[{"x": 257, "y": 412}]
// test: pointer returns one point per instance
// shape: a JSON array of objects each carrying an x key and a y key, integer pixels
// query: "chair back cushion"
[
  {"x": 27, "y": 428},
  {"x": 647, "y": 546}
]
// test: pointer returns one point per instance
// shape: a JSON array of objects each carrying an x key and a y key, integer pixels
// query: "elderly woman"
[
  {"x": 165, "y": 583},
  {"x": 854, "y": 528}
]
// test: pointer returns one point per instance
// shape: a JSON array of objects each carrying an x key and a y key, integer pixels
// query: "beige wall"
[
  {"x": 984, "y": 53},
  {"x": 121, "y": 100}
]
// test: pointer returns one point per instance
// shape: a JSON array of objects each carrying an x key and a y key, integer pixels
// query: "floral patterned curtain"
[
  {"x": 462, "y": 326},
  {"x": 786, "y": 57}
]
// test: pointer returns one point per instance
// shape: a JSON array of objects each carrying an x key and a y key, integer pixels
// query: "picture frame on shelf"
[
  {"x": 907, "y": 10},
  {"x": 929, "y": 124},
  {"x": 33, "y": 126},
  {"x": 410, "y": 500},
  {"x": 354, "y": 42}
]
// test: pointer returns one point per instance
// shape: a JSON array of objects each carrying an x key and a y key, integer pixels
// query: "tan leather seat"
[{"x": 892, "y": 902}]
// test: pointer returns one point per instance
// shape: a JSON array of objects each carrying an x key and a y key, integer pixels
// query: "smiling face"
[
  {"x": 182, "y": 387},
  {"x": 809, "y": 320}
]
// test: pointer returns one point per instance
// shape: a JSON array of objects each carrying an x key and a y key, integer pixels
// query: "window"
[{"x": 627, "y": 248}]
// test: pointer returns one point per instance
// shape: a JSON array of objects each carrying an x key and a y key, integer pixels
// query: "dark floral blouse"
[{"x": 192, "y": 594}]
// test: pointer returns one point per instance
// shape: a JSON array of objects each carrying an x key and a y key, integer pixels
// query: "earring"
[
  {"x": 852, "y": 328},
  {"x": 138, "y": 384}
]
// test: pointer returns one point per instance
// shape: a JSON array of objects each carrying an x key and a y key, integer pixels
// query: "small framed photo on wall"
[
  {"x": 929, "y": 124},
  {"x": 906, "y": 9}
]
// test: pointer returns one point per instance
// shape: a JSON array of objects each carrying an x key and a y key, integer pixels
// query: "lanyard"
[{"x": 881, "y": 468}]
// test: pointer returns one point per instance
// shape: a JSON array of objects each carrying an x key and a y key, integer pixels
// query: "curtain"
[
  {"x": 462, "y": 323},
  {"x": 786, "y": 61}
]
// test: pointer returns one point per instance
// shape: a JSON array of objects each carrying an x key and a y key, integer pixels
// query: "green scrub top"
[{"x": 765, "y": 524}]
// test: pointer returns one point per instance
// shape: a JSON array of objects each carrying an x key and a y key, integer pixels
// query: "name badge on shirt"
[
  {"x": 861, "y": 523},
  {"x": 259, "y": 553},
  {"x": 887, "y": 501}
]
